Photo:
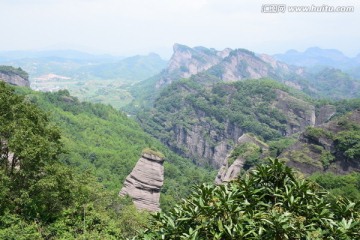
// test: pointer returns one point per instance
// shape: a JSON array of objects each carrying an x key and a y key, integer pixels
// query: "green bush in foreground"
[{"x": 268, "y": 203}]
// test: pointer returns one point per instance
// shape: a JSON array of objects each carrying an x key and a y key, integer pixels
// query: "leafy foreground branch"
[{"x": 268, "y": 203}]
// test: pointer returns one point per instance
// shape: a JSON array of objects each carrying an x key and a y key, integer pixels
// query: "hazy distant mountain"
[
  {"x": 210, "y": 66},
  {"x": 226, "y": 65},
  {"x": 84, "y": 66},
  {"x": 318, "y": 57},
  {"x": 94, "y": 78},
  {"x": 131, "y": 68}
]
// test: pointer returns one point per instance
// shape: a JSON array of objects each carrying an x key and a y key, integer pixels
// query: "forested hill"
[
  {"x": 231, "y": 65},
  {"x": 205, "y": 122},
  {"x": 63, "y": 163},
  {"x": 101, "y": 139}
]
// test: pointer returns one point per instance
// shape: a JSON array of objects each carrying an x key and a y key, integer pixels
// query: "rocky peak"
[
  {"x": 186, "y": 62},
  {"x": 244, "y": 64},
  {"x": 14, "y": 76},
  {"x": 144, "y": 183},
  {"x": 226, "y": 65}
]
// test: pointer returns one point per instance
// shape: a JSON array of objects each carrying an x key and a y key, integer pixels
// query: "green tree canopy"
[{"x": 268, "y": 203}]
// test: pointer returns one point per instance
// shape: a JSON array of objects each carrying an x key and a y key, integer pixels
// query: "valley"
[{"x": 204, "y": 111}]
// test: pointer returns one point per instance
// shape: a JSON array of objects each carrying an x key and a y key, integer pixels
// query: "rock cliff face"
[
  {"x": 143, "y": 184},
  {"x": 244, "y": 64},
  {"x": 317, "y": 149},
  {"x": 324, "y": 114},
  {"x": 299, "y": 113},
  {"x": 226, "y": 65},
  {"x": 186, "y": 62},
  {"x": 14, "y": 76},
  {"x": 229, "y": 172},
  {"x": 205, "y": 123},
  {"x": 206, "y": 142}
]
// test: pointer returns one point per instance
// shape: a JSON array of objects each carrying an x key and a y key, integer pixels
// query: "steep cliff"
[
  {"x": 186, "y": 62},
  {"x": 333, "y": 147},
  {"x": 204, "y": 123},
  {"x": 243, "y": 64},
  {"x": 210, "y": 66},
  {"x": 143, "y": 184},
  {"x": 226, "y": 65},
  {"x": 248, "y": 150},
  {"x": 14, "y": 76}
]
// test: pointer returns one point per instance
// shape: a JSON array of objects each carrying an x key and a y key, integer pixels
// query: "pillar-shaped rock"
[{"x": 144, "y": 183}]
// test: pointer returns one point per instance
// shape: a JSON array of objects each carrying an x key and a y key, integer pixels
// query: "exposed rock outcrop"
[
  {"x": 14, "y": 76},
  {"x": 243, "y": 64},
  {"x": 143, "y": 184},
  {"x": 215, "y": 147},
  {"x": 299, "y": 113},
  {"x": 316, "y": 149},
  {"x": 227, "y": 65},
  {"x": 324, "y": 114},
  {"x": 228, "y": 173},
  {"x": 203, "y": 140},
  {"x": 186, "y": 62}
]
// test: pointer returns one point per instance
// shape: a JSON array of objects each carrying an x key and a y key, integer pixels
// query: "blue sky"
[{"x": 128, "y": 27}]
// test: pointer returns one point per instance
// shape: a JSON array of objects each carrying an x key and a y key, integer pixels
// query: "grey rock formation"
[
  {"x": 186, "y": 62},
  {"x": 299, "y": 113},
  {"x": 324, "y": 114},
  {"x": 215, "y": 147},
  {"x": 243, "y": 64},
  {"x": 227, "y": 65},
  {"x": 307, "y": 154},
  {"x": 10, "y": 75},
  {"x": 143, "y": 184},
  {"x": 209, "y": 143},
  {"x": 228, "y": 173}
]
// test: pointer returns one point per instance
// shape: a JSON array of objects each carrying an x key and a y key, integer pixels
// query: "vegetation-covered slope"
[
  {"x": 62, "y": 182},
  {"x": 333, "y": 146},
  {"x": 230, "y": 65},
  {"x": 41, "y": 198},
  {"x": 205, "y": 121},
  {"x": 105, "y": 141}
]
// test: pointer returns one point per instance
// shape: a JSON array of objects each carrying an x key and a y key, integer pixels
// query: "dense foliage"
[
  {"x": 348, "y": 141},
  {"x": 268, "y": 203},
  {"x": 214, "y": 111},
  {"x": 333, "y": 146},
  {"x": 332, "y": 83},
  {"x": 65, "y": 186},
  {"x": 250, "y": 152},
  {"x": 102, "y": 140},
  {"x": 41, "y": 198},
  {"x": 341, "y": 185}
]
